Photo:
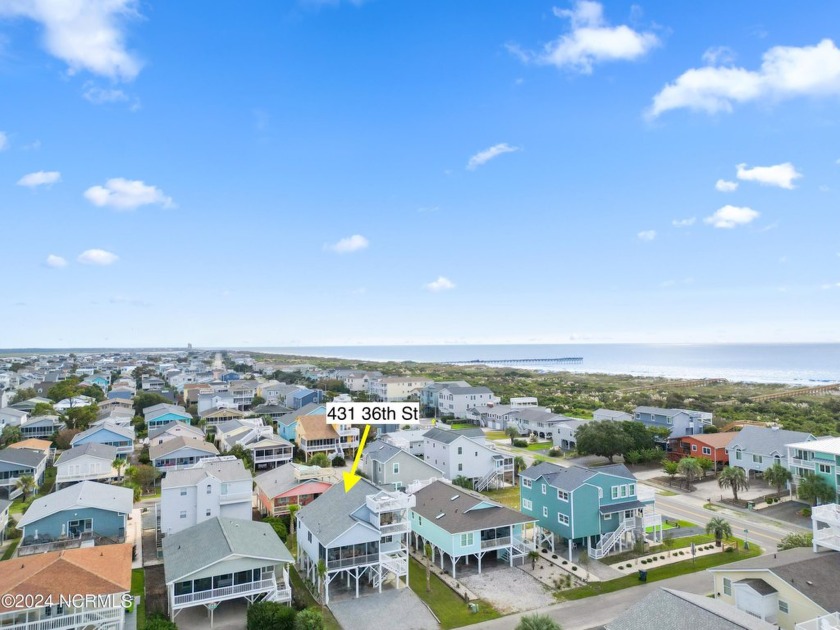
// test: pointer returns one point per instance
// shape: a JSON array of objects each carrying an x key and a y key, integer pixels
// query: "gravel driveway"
[{"x": 509, "y": 589}]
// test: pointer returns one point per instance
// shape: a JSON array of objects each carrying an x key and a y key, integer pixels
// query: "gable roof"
[
  {"x": 93, "y": 449},
  {"x": 281, "y": 479},
  {"x": 87, "y": 494},
  {"x": 714, "y": 440},
  {"x": 179, "y": 426},
  {"x": 457, "y": 510},
  {"x": 210, "y": 541},
  {"x": 22, "y": 457},
  {"x": 766, "y": 440},
  {"x": 447, "y": 436},
  {"x": 830, "y": 445},
  {"x": 572, "y": 477},
  {"x": 126, "y": 432},
  {"x": 458, "y": 390},
  {"x": 226, "y": 468},
  {"x": 306, "y": 410},
  {"x": 161, "y": 409},
  {"x": 156, "y": 451},
  {"x": 33, "y": 444},
  {"x": 97, "y": 570},
  {"x": 668, "y": 608},
  {"x": 384, "y": 452},
  {"x": 315, "y": 428},
  {"x": 331, "y": 514}
]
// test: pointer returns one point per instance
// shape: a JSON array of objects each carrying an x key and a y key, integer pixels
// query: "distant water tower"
[{"x": 189, "y": 346}]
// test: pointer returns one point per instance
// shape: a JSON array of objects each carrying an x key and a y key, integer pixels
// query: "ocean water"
[{"x": 795, "y": 364}]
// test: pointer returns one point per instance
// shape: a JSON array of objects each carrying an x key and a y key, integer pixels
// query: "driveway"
[
  {"x": 509, "y": 589},
  {"x": 229, "y": 615},
  {"x": 787, "y": 512},
  {"x": 384, "y": 611}
]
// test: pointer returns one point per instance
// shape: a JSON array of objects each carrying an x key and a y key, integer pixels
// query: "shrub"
[
  {"x": 565, "y": 562},
  {"x": 520, "y": 443},
  {"x": 338, "y": 462},
  {"x": 554, "y": 555},
  {"x": 270, "y": 615},
  {"x": 729, "y": 550},
  {"x": 554, "y": 452},
  {"x": 574, "y": 568}
]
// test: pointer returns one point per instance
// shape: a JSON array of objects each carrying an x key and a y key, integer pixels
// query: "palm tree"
[
  {"x": 734, "y": 477},
  {"x": 689, "y": 468},
  {"x": 293, "y": 509},
  {"x": 670, "y": 468},
  {"x": 537, "y": 622},
  {"x": 512, "y": 433},
  {"x": 777, "y": 475},
  {"x": 118, "y": 464},
  {"x": 427, "y": 549},
  {"x": 519, "y": 465},
  {"x": 720, "y": 527},
  {"x": 25, "y": 484},
  {"x": 322, "y": 578},
  {"x": 706, "y": 465},
  {"x": 668, "y": 542},
  {"x": 533, "y": 556},
  {"x": 814, "y": 489}
]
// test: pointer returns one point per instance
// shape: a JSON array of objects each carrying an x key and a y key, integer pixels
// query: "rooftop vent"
[{"x": 441, "y": 515}]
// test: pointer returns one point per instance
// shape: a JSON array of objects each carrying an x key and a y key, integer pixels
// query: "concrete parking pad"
[
  {"x": 509, "y": 589},
  {"x": 386, "y": 611},
  {"x": 230, "y": 615}
]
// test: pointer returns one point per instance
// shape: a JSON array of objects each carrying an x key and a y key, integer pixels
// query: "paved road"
[{"x": 593, "y": 612}]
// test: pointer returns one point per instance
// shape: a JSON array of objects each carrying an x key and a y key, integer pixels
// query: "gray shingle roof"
[
  {"x": 126, "y": 432},
  {"x": 222, "y": 469},
  {"x": 87, "y": 494},
  {"x": 102, "y": 451},
  {"x": 381, "y": 451},
  {"x": 289, "y": 418},
  {"x": 574, "y": 476},
  {"x": 331, "y": 514},
  {"x": 157, "y": 451},
  {"x": 667, "y": 608},
  {"x": 458, "y": 507},
  {"x": 816, "y": 578},
  {"x": 766, "y": 440},
  {"x": 758, "y": 585},
  {"x": 447, "y": 436},
  {"x": 462, "y": 391},
  {"x": 207, "y": 543},
  {"x": 176, "y": 423}
]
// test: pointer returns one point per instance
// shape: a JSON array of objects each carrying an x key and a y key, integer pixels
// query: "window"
[
  {"x": 607, "y": 517},
  {"x": 183, "y": 492},
  {"x": 209, "y": 488},
  {"x": 631, "y": 489},
  {"x": 467, "y": 540},
  {"x": 419, "y": 520},
  {"x": 562, "y": 519},
  {"x": 527, "y": 505},
  {"x": 757, "y": 459},
  {"x": 460, "y": 467},
  {"x": 545, "y": 511},
  {"x": 460, "y": 450},
  {"x": 396, "y": 468},
  {"x": 183, "y": 514},
  {"x": 526, "y": 483},
  {"x": 824, "y": 468},
  {"x": 783, "y": 606},
  {"x": 309, "y": 536},
  {"x": 543, "y": 488},
  {"x": 623, "y": 491},
  {"x": 737, "y": 454},
  {"x": 693, "y": 447},
  {"x": 563, "y": 495},
  {"x": 707, "y": 450},
  {"x": 614, "y": 492},
  {"x": 207, "y": 513},
  {"x": 727, "y": 586}
]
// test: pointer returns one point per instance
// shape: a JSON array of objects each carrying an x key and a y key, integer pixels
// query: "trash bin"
[
  {"x": 750, "y": 505},
  {"x": 473, "y": 608},
  {"x": 642, "y": 575}
]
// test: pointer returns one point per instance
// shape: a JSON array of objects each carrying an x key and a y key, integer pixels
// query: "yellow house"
[{"x": 786, "y": 588}]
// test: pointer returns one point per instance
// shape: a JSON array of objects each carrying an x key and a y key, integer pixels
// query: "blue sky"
[{"x": 387, "y": 171}]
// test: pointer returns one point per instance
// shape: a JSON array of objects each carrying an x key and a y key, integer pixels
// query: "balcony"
[
  {"x": 226, "y": 592},
  {"x": 353, "y": 561},
  {"x": 826, "y": 622},
  {"x": 91, "y": 476},
  {"x": 234, "y": 497},
  {"x": 808, "y": 464},
  {"x": 491, "y": 543},
  {"x": 395, "y": 528},
  {"x": 276, "y": 457},
  {"x": 89, "y": 618},
  {"x": 389, "y": 502}
]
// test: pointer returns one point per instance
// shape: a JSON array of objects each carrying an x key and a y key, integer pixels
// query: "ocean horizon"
[{"x": 786, "y": 363}]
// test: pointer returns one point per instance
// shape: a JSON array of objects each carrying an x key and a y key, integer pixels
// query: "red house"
[
  {"x": 291, "y": 484},
  {"x": 706, "y": 445}
]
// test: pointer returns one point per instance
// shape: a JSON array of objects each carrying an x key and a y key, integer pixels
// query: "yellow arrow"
[{"x": 351, "y": 478}]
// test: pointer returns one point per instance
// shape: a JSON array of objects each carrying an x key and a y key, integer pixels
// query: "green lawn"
[
  {"x": 540, "y": 446},
  {"x": 450, "y": 609},
  {"x": 505, "y": 496},
  {"x": 679, "y": 543},
  {"x": 138, "y": 587},
  {"x": 662, "y": 573},
  {"x": 670, "y": 525},
  {"x": 496, "y": 435},
  {"x": 10, "y": 550},
  {"x": 463, "y": 425},
  {"x": 301, "y": 591}
]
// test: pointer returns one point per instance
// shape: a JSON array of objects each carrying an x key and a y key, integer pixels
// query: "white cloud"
[
  {"x": 348, "y": 245},
  {"x": 731, "y": 216},
  {"x": 717, "y": 55},
  {"x": 97, "y": 257},
  {"x": 56, "y": 262},
  {"x": 85, "y": 34},
  {"x": 482, "y": 157},
  {"x": 723, "y": 185},
  {"x": 646, "y": 235},
  {"x": 781, "y": 175},
  {"x": 127, "y": 194},
  {"x": 441, "y": 284},
  {"x": 681, "y": 223},
  {"x": 98, "y": 95},
  {"x": 590, "y": 41},
  {"x": 785, "y": 72},
  {"x": 4, "y": 141},
  {"x": 40, "y": 178}
]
